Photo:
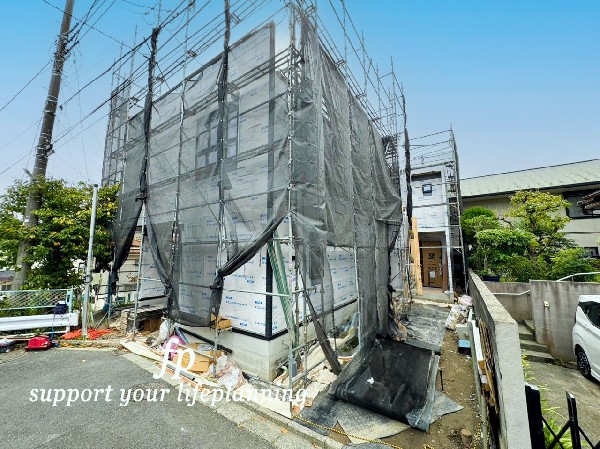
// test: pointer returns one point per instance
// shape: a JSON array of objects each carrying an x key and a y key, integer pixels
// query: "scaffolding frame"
[
  {"x": 385, "y": 116},
  {"x": 442, "y": 155}
]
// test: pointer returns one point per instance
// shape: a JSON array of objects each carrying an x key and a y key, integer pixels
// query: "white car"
[{"x": 586, "y": 336}]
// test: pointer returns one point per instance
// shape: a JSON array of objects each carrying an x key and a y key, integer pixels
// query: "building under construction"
[
  {"x": 436, "y": 209},
  {"x": 268, "y": 178}
]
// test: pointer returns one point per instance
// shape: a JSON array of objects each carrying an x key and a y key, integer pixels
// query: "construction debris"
[{"x": 7, "y": 345}]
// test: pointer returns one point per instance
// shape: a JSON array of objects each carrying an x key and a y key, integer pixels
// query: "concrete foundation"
[{"x": 263, "y": 357}]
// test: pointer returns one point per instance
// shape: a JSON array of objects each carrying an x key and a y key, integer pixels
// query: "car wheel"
[{"x": 583, "y": 364}]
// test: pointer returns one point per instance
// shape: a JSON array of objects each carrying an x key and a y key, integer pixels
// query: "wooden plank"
[
  {"x": 416, "y": 251},
  {"x": 478, "y": 349}
]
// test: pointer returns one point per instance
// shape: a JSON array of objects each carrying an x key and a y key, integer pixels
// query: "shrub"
[
  {"x": 477, "y": 219},
  {"x": 522, "y": 269},
  {"x": 495, "y": 247},
  {"x": 570, "y": 261}
]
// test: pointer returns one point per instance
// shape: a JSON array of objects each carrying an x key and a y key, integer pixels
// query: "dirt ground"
[{"x": 459, "y": 385}]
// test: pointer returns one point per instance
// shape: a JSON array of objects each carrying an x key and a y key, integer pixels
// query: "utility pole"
[
  {"x": 88, "y": 265},
  {"x": 44, "y": 147}
]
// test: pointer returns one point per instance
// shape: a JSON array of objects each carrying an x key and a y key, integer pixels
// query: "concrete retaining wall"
[
  {"x": 510, "y": 295},
  {"x": 554, "y": 323},
  {"x": 509, "y": 379}
]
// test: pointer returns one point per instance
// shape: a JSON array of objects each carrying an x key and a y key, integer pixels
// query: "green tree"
[
  {"x": 532, "y": 245},
  {"x": 520, "y": 268},
  {"x": 571, "y": 261},
  {"x": 61, "y": 237},
  {"x": 475, "y": 219},
  {"x": 495, "y": 247},
  {"x": 538, "y": 213}
]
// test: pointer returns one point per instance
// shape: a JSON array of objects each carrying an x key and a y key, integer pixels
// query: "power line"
[
  {"x": 126, "y": 55},
  {"x": 151, "y": 8},
  {"x": 113, "y": 95},
  {"x": 429, "y": 144},
  {"x": 246, "y": 9},
  {"x": 429, "y": 135},
  {"x": 86, "y": 24},
  {"x": 21, "y": 133},
  {"x": 12, "y": 165},
  {"x": 93, "y": 25},
  {"x": 25, "y": 86}
]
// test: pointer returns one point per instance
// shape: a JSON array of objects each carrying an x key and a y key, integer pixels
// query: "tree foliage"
[
  {"x": 61, "y": 237},
  {"x": 571, "y": 261},
  {"x": 531, "y": 245},
  {"x": 520, "y": 268},
  {"x": 496, "y": 246},
  {"x": 538, "y": 213},
  {"x": 477, "y": 211},
  {"x": 475, "y": 219}
]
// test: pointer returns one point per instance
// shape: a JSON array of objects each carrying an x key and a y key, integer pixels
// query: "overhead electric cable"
[
  {"x": 25, "y": 86},
  {"x": 85, "y": 23}
]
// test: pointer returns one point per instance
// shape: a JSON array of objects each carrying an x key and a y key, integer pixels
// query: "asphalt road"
[
  {"x": 556, "y": 381},
  {"x": 27, "y": 423}
]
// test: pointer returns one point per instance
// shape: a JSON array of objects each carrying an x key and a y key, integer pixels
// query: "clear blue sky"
[{"x": 518, "y": 81}]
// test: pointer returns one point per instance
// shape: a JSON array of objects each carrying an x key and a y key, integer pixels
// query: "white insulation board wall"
[
  {"x": 429, "y": 210},
  {"x": 247, "y": 311}
]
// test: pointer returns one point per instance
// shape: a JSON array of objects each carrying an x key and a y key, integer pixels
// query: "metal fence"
[
  {"x": 13, "y": 300},
  {"x": 541, "y": 432}
]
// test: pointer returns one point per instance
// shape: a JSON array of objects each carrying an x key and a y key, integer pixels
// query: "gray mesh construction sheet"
[{"x": 317, "y": 170}]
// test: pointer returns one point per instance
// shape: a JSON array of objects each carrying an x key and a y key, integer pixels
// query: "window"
[
  {"x": 593, "y": 313},
  {"x": 574, "y": 211},
  {"x": 206, "y": 141},
  {"x": 592, "y": 251},
  {"x": 207, "y": 131},
  {"x": 427, "y": 189}
]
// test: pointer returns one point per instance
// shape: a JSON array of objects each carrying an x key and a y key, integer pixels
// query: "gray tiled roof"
[{"x": 584, "y": 172}]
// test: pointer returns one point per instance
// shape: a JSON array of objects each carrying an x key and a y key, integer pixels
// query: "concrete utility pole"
[
  {"x": 88, "y": 265},
  {"x": 44, "y": 147}
]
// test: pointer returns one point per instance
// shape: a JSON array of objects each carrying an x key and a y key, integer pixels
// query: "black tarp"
[{"x": 391, "y": 378}]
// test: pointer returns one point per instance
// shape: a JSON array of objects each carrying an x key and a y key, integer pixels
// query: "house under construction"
[
  {"x": 436, "y": 209},
  {"x": 269, "y": 182}
]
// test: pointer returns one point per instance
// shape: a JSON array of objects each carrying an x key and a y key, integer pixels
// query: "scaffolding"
[
  {"x": 438, "y": 152},
  {"x": 269, "y": 175}
]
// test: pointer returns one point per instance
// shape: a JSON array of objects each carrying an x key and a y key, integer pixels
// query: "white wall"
[{"x": 429, "y": 210}]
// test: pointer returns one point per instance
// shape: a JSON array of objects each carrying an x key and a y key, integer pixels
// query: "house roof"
[
  {"x": 573, "y": 174},
  {"x": 590, "y": 203},
  {"x": 6, "y": 275}
]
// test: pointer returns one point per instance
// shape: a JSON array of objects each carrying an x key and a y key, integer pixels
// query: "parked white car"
[{"x": 586, "y": 336}]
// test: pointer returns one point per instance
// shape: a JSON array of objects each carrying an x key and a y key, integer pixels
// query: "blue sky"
[{"x": 518, "y": 81}]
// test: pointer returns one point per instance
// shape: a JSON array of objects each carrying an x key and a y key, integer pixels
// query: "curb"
[
  {"x": 294, "y": 427},
  {"x": 90, "y": 343}
]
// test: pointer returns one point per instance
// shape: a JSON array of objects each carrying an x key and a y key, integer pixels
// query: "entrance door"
[{"x": 431, "y": 260}]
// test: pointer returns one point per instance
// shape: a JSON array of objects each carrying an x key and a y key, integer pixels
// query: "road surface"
[{"x": 98, "y": 376}]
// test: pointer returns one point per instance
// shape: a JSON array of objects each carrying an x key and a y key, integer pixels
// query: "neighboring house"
[
  {"x": 572, "y": 181},
  {"x": 6, "y": 278},
  {"x": 590, "y": 204}
]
